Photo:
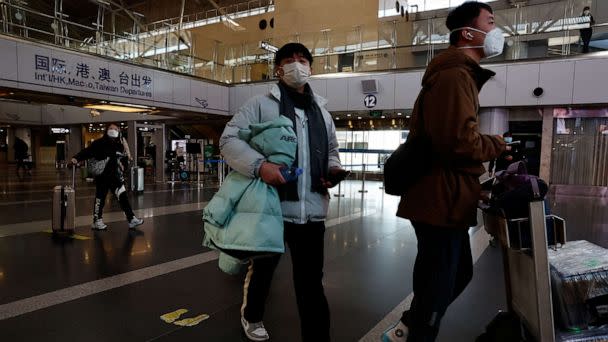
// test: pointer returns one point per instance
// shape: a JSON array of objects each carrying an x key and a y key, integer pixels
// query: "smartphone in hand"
[{"x": 337, "y": 176}]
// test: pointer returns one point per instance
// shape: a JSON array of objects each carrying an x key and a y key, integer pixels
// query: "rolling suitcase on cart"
[{"x": 64, "y": 207}]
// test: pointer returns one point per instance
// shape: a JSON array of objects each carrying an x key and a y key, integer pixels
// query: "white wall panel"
[
  {"x": 163, "y": 89},
  {"x": 27, "y": 67},
  {"x": 232, "y": 95},
  {"x": 355, "y": 93},
  {"x": 493, "y": 92},
  {"x": 407, "y": 88},
  {"x": 225, "y": 94},
  {"x": 319, "y": 86},
  {"x": 557, "y": 79},
  {"x": 181, "y": 91},
  {"x": 521, "y": 81},
  {"x": 122, "y": 77},
  {"x": 214, "y": 96},
  {"x": 590, "y": 79},
  {"x": 386, "y": 95},
  {"x": 243, "y": 93},
  {"x": 8, "y": 56},
  {"x": 337, "y": 94},
  {"x": 198, "y": 94}
]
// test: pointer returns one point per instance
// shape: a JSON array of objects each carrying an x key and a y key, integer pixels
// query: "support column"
[
  {"x": 132, "y": 139},
  {"x": 10, "y": 135},
  {"x": 546, "y": 146},
  {"x": 74, "y": 141},
  {"x": 160, "y": 142}
]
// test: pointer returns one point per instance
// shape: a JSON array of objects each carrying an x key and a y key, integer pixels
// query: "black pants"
[
  {"x": 305, "y": 243},
  {"x": 586, "y": 37},
  {"x": 104, "y": 184},
  {"x": 23, "y": 164},
  {"x": 443, "y": 269}
]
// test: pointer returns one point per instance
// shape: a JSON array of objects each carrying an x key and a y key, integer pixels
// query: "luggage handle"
[
  {"x": 73, "y": 176},
  {"x": 64, "y": 204},
  {"x": 499, "y": 225}
]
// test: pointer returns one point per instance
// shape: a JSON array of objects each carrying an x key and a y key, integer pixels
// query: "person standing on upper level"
[{"x": 586, "y": 33}]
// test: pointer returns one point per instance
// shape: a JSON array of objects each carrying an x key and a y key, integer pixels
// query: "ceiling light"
[
  {"x": 399, "y": 114},
  {"x": 359, "y": 118},
  {"x": 120, "y": 107},
  {"x": 348, "y": 115},
  {"x": 383, "y": 117}
]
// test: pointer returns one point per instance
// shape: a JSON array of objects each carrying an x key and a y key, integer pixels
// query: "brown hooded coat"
[{"x": 447, "y": 196}]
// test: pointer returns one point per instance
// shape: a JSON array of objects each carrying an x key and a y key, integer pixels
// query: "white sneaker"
[
  {"x": 135, "y": 222},
  {"x": 396, "y": 333},
  {"x": 99, "y": 225},
  {"x": 254, "y": 331}
]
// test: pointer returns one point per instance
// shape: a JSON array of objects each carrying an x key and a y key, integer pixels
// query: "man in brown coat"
[{"x": 442, "y": 205}]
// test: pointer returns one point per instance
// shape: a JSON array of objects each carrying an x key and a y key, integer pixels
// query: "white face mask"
[
  {"x": 112, "y": 133},
  {"x": 492, "y": 44},
  {"x": 586, "y": 12},
  {"x": 295, "y": 74}
]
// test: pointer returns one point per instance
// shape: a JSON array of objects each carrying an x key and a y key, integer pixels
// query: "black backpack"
[{"x": 410, "y": 161}]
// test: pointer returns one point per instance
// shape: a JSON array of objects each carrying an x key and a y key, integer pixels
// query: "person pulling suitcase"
[{"x": 104, "y": 157}]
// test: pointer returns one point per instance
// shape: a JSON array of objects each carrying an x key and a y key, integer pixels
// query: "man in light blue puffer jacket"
[
  {"x": 304, "y": 203},
  {"x": 244, "y": 218}
]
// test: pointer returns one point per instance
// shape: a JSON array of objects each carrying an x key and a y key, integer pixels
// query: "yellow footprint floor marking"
[
  {"x": 190, "y": 322},
  {"x": 172, "y": 316}
]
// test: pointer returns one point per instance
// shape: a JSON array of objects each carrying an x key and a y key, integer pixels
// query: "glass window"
[
  {"x": 368, "y": 147},
  {"x": 580, "y": 147}
]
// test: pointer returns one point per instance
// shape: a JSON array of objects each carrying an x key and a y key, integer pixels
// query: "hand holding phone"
[{"x": 335, "y": 176}]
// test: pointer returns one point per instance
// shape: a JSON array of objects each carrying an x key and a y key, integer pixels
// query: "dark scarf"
[{"x": 317, "y": 139}]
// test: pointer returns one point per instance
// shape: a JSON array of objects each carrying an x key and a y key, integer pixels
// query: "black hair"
[
  {"x": 463, "y": 16},
  {"x": 289, "y": 49},
  {"x": 507, "y": 134},
  {"x": 110, "y": 124},
  {"x": 586, "y": 8}
]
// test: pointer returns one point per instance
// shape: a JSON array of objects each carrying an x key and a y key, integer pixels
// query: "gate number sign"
[{"x": 370, "y": 101}]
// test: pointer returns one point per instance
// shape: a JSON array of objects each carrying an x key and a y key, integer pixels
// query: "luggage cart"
[{"x": 527, "y": 274}]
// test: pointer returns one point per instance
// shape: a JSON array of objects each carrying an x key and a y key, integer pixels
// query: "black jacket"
[
  {"x": 101, "y": 149},
  {"x": 20, "y": 149}
]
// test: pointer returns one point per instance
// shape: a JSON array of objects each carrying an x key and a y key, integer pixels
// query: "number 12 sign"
[{"x": 370, "y": 101}]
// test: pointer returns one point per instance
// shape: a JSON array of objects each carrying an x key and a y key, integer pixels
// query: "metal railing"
[{"x": 168, "y": 44}]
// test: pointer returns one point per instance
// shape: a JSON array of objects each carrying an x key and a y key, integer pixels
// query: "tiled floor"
[{"x": 368, "y": 265}]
